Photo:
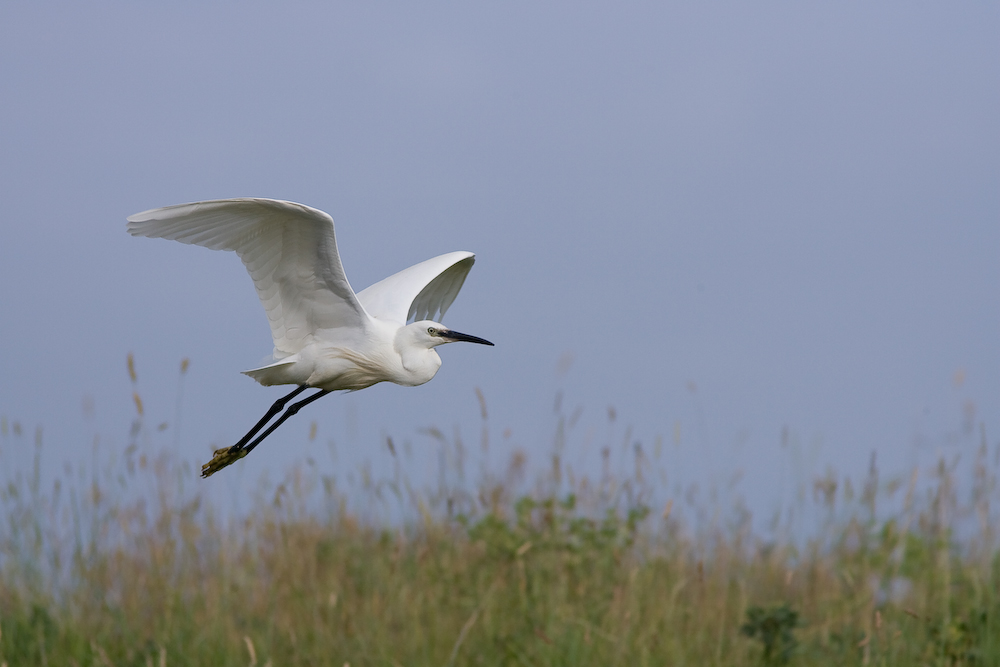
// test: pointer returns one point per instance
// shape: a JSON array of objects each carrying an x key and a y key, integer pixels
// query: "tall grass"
[{"x": 129, "y": 564}]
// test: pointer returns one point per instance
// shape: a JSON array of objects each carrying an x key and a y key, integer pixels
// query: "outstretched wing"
[
  {"x": 422, "y": 292},
  {"x": 290, "y": 251}
]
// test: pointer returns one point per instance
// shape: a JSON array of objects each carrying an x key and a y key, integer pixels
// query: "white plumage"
[{"x": 325, "y": 335}]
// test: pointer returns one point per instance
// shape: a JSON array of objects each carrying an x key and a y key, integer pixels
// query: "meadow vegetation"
[{"x": 132, "y": 565}]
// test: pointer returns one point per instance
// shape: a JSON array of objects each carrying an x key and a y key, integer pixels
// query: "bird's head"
[
  {"x": 431, "y": 334},
  {"x": 415, "y": 345}
]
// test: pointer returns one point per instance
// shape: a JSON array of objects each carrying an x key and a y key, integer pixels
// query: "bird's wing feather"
[
  {"x": 422, "y": 292},
  {"x": 290, "y": 251}
]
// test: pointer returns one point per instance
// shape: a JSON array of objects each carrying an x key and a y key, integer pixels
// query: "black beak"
[{"x": 456, "y": 336}]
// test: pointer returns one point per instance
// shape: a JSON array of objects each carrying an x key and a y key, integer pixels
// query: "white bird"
[{"x": 325, "y": 336}]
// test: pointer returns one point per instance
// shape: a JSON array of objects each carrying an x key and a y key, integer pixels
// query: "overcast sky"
[{"x": 726, "y": 220}]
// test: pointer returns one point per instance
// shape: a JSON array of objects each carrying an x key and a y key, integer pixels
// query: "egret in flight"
[{"x": 326, "y": 337}]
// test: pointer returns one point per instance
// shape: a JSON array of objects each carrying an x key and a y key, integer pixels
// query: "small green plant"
[
  {"x": 775, "y": 628},
  {"x": 960, "y": 641}
]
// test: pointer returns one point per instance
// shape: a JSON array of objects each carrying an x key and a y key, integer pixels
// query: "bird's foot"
[{"x": 222, "y": 458}]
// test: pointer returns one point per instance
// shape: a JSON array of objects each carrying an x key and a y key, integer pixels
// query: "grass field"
[{"x": 132, "y": 567}]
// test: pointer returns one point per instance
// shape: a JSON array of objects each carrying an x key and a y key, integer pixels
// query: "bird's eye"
[{"x": 431, "y": 330}]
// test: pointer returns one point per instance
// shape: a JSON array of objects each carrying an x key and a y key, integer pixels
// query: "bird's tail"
[{"x": 276, "y": 373}]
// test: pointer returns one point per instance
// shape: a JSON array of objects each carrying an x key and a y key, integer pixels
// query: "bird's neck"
[
  {"x": 419, "y": 362},
  {"x": 419, "y": 365}
]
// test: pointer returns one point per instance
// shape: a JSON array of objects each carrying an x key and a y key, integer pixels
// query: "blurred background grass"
[{"x": 128, "y": 561}]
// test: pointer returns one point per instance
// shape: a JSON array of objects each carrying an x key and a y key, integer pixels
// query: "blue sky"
[{"x": 726, "y": 220}]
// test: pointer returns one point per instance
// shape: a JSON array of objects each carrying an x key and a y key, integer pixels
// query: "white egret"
[{"x": 325, "y": 336}]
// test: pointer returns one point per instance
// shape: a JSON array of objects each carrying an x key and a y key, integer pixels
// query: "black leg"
[
  {"x": 228, "y": 455},
  {"x": 292, "y": 409},
  {"x": 278, "y": 406}
]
